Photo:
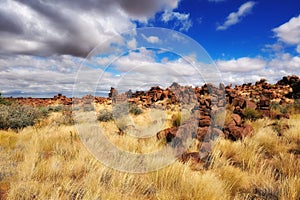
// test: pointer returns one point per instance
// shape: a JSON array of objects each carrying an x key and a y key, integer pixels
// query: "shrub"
[
  {"x": 297, "y": 105},
  {"x": 176, "y": 119},
  {"x": 120, "y": 110},
  {"x": 67, "y": 118},
  {"x": 105, "y": 116},
  {"x": 134, "y": 109},
  {"x": 18, "y": 116},
  {"x": 252, "y": 114},
  {"x": 45, "y": 111},
  {"x": 275, "y": 106},
  {"x": 292, "y": 108},
  {"x": 88, "y": 108},
  {"x": 57, "y": 108},
  {"x": 4, "y": 101}
]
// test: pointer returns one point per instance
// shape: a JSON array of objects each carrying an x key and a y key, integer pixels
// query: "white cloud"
[
  {"x": 142, "y": 67},
  {"x": 286, "y": 62},
  {"x": 132, "y": 44},
  {"x": 181, "y": 20},
  {"x": 138, "y": 70},
  {"x": 151, "y": 39},
  {"x": 235, "y": 17},
  {"x": 37, "y": 36},
  {"x": 244, "y": 64},
  {"x": 59, "y": 27},
  {"x": 244, "y": 70},
  {"x": 289, "y": 32},
  {"x": 298, "y": 49},
  {"x": 271, "y": 48}
]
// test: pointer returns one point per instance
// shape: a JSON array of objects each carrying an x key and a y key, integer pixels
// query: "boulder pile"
[{"x": 207, "y": 103}]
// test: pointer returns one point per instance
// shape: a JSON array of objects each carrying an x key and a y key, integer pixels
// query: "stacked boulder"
[{"x": 294, "y": 83}]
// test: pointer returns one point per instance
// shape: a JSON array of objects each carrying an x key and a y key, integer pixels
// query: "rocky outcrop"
[
  {"x": 57, "y": 99},
  {"x": 294, "y": 83}
]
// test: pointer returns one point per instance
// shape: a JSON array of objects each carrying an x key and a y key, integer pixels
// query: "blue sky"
[
  {"x": 44, "y": 44},
  {"x": 248, "y": 37}
]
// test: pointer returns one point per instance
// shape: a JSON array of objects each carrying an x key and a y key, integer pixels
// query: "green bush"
[
  {"x": 252, "y": 114},
  {"x": 105, "y": 116},
  {"x": 291, "y": 108},
  {"x": 19, "y": 116},
  {"x": 134, "y": 109},
  {"x": 4, "y": 101}
]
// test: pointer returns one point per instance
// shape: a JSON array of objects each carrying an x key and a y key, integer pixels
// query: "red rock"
[
  {"x": 237, "y": 119},
  {"x": 236, "y": 132},
  {"x": 205, "y": 121},
  {"x": 206, "y": 147},
  {"x": 168, "y": 134},
  {"x": 202, "y": 132},
  {"x": 265, "y": 113},
  {"x": 222, "y": 103},
  {"x": 250, "y": 104},
  {"x": 194, "y": 156},
  {"x": 238, "y": 102},
  {"x": 217, "y": 133},
  {"x": 247, "y": 131}
]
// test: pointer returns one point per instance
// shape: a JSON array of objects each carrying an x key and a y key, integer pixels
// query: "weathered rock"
[
  {"x": 217, "y": 133},
  {"x": 202, "y": 132},
  {"x": 251, "y": 104},
  {"x": 237, "y": 119},
  {"x": 247, "y": 131},
  {"x": 205, "y": 121},
  {"x": 167, "y": 134},
  {"x": 187, "y": 156},
  {"x": 239, "y": 102}
]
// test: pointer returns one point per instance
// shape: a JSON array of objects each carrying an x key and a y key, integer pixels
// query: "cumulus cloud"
[
  {"x": 42, "y": 43},
  {"x": 151, "y": 39},
  {"x": 137, "y": 70},
  {"x": 244, "y": 64},
  {"x": 298, "y": 49},
  {"x": 286, "y": 62},
  {"x": 59, "y": 27},
  {"x": 132, "y": 44},
  {"x": 271, "y": 48},
  {"x": 25, "y": 75},
  {"x": 181, "y": 20},
  {"x": 236, "y": 17},
  {"x": 243, "y": 70},
  {"x": 289, "y": 32}
]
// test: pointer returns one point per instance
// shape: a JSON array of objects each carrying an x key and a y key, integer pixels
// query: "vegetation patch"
[
  {"x": 134, "y": 109},
  {"x": 105, "y": 115},
  {"x": 17, "y": 116},
  {"x": 176, "y": 119},
  {"x": 252, "y": 114}
]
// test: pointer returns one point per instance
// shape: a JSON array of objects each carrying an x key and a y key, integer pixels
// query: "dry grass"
[{"x": 49, "y": 161}]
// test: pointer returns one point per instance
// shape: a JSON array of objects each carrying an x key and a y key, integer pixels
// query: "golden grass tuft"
[{"x": 49, "y": 161}]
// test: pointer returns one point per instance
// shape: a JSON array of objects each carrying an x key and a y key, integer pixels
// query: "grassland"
[{"x": 49, "y": 161}]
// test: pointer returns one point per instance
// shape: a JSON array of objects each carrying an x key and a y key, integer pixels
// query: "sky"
[{"x": 85, "y": 47}]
